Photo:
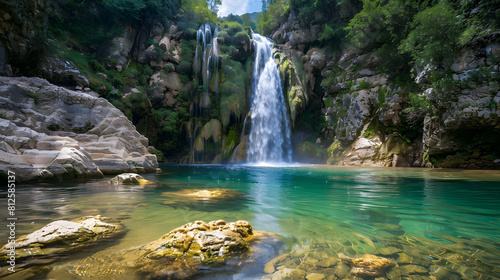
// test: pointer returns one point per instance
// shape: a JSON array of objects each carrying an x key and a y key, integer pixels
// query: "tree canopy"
[{"x": 434, "y": 35}]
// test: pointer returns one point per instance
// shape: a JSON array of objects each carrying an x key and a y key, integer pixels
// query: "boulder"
[
  {"x": 63, "y": 236},
  {"x": 129, "y": 179},
  {"x": 52, "y": 131},
  {"x": 181, "y": 252}
]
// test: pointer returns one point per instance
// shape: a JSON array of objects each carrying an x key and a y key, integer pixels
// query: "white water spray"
[{"x": 269, "y": 139}]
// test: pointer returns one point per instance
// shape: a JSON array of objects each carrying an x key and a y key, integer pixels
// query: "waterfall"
[
  {"x": 206, "y": 65},
  {"x": 206, "y": 44},
  {"x": 269, "y": 139}
]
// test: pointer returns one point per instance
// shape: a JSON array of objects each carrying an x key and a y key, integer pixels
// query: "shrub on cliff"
[{"x": 434, "y": 36}]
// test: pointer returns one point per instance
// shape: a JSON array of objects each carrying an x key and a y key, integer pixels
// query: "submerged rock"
[
  {"x": 129, "y": 179},
  {"x": 62, "y": 236},
  {"x": 205, "y": 194},
  {"x": 367, "y": 266}
]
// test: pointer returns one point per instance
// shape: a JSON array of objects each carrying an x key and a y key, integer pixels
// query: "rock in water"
[
  {"x": 183, "y": 250},
  {"x": 47, "y": 131},
  {"x": 129, "y": 179},
  {"x": 205, "y": 194},
  {"x": 367, "y": 266},
  {"x": 62, "y": 236},
  {"x": 210, "y": 242}
]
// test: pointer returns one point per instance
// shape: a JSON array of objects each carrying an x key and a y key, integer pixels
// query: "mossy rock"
[
  {"x": 195, "y": 244},
  {"x": 334, "y": 152}
]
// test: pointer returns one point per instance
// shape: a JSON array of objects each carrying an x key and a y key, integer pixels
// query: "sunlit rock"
[
  {"x": 49, "y": 131},
  {"x": 367, "y": 266},
  {"x": 204, "y": 194},
  {"x": 62, "y": 236},
  {"x": 182, "y": 251},
  {"x": 129, "y": 179}
]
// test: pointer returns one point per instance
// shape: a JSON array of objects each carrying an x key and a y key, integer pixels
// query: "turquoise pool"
[{"x": 450, "y": 218}]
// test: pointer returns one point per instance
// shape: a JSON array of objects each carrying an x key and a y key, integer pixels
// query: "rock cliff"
[
  {"x": 438, "y": 117},
  {"x": 47, "y": 131}
]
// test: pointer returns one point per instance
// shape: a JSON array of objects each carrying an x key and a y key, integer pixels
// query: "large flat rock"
[{"x": 47, "y": 131}]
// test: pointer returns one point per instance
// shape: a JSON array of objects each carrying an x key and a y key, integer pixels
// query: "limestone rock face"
[
  {"x": 362, "y": 152},
  {"x": 51, "y": 131},
  {"x": 166, "y": 87},
  {"x": 210, "y": 133},
  {"x": 295, "y": 33},
  {"x": 61, "y": 236}
]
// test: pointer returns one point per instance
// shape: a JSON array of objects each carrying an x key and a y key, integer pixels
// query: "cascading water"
[
  {"x": 206, "y": 44},
  {"x": 269, "y": 139},
  {"x": 206, "y": 66}
]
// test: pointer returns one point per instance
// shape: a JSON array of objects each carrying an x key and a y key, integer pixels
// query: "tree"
[
  {"x": 213, "y": 5},
  {"x": 434, "y": 35},
  {"x": 197, "y": 9},
  {"x": 379, "y": 22}
]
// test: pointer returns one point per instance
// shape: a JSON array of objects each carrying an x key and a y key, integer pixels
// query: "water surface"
[{"x": 440, "y": 213}]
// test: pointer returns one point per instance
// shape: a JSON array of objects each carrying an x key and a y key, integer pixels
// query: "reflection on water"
[{"x": 438, "y": 215}]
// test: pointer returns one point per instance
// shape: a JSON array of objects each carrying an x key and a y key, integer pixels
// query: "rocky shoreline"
[{"x": 49, "y": 131}]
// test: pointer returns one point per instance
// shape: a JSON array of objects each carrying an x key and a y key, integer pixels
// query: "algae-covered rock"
[
  {"x": 210, "y": 242},
  {"x": 205, "y": 194},
  {"x": 180, "y": 253},
  {"x": 203, "y": 199},
  {"x": 62, "y": 236},
  {"x": 129, "y": 179}
]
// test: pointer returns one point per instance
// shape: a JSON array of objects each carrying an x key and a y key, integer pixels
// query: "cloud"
[{"x": 233, "y": 7}]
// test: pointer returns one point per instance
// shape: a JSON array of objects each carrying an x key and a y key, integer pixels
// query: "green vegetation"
[
  {"x": 364, "y": 85},
  {"x": 420, "y": 102},
  {"x": 434, "y": 35},
  {"x": 275, "y": 12},
  {"x": 171, "y": 131}
]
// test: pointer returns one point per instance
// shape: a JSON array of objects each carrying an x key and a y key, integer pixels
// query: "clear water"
[{"x": 437, "y": 212}]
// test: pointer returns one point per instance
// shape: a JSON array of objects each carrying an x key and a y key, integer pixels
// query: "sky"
[{"x": 239, "y": 7}]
